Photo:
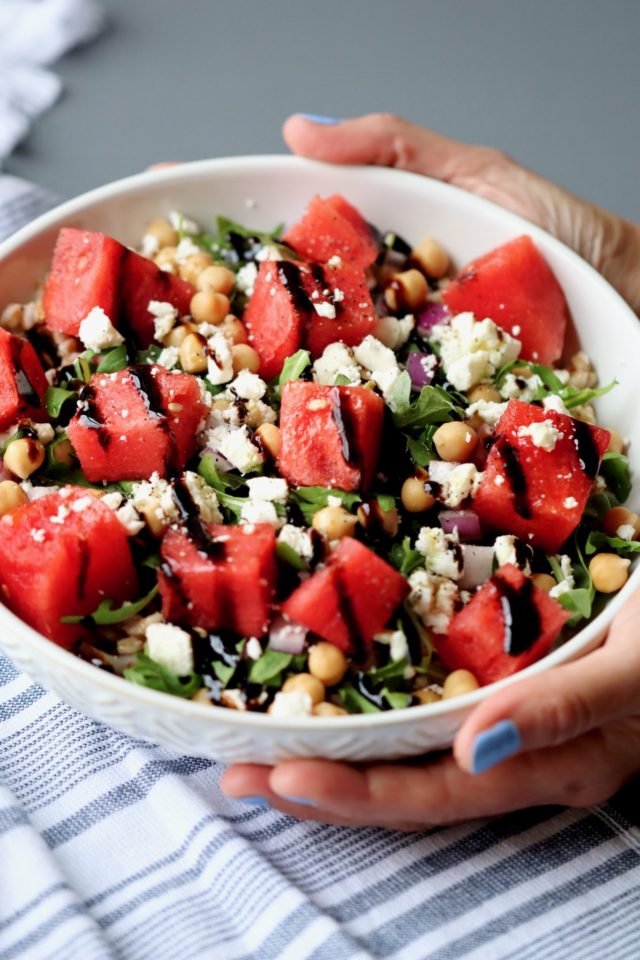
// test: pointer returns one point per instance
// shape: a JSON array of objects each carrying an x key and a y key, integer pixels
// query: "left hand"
[{"x": 579, "y": 732}]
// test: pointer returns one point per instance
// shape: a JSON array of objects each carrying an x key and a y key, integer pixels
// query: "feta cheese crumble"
[
  {"x": 458, "y": 484},
  {"x": 337, "y": 360},
  {"x": 246, "y": 278},
  {"x": 472, "y": 351},
  {"x": 236, "y": 445},
  {"x": 249, "y": 386},
  {"x": 508, "y": 549},
  {"x": 293, "y": 703},
  {"x": 164, "y": 317},
  {"x": 268, "y": 488},
  {"x": 298, "y": 539},
  {"x": 567, "y": 583},
  {"x": 326, "y": 310},
  {"x": 433, "y": 598},
  {"x": 394, "y": 332},
  {"x": 219, "y": 359},
  {"x": 544, "y": 435},
  {"x": 488, "y": 410},
  {"x": 97, "y": 332},
  {"x": 441, "y": 552},
  {"x": 171, "y": 647}
]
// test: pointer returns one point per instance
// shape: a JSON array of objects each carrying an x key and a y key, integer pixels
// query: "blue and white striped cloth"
[{"x": 113, "y": 848}]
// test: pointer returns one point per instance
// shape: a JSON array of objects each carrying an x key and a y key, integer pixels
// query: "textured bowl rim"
[{"x": 583, "y": 641}]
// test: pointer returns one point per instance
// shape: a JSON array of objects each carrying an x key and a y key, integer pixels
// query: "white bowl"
[{"x": 263, "y": 191}]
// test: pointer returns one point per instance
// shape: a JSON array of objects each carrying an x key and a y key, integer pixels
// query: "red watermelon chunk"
[
  {"x": 333, "y": 227},
  {"x": 515, "y": 286},
  {"x": 351, "y": 599},
  {"x": 275, "y": 315},
  {"x": 536, "y": 493},
  {"x": 330, "y": 436},
  {"x": 91, "y": 270},
  {"x": 345, "y": 289},
  {"x": 506, "y": 626},
  {"x": 225, "y": 582},
  {"x": 63, "y": 555},
  {"x": 123, "y": 428},
  {"x": 22, "y": 381}
]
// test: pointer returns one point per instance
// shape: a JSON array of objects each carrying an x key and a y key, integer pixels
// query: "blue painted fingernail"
[
  {"x": 495, "y": 745},
  {"x": 254, "y": 801},
  {"x": 316, "y": 118},
  {"x": 301, "y": 801}
]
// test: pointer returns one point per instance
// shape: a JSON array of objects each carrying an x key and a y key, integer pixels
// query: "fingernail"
[
  {"x": 254, "y": 801},
  {"x": 301, "y": 801},
  {"x": 316, "y": 118},
  {"x": 495, "y": 745}
]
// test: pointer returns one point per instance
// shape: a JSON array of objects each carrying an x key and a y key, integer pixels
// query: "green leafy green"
[
  {"x": 579, "y": 600},
  {"x": 225, "y": 226},
  {"x": 57, "y": 467},
  {"x": 82, "y": 366},
  {"x": 106, "y": 615},
  {"x": 114, "y": 360},
  {"x": 396, "y": 699},
  {"x": 294, "y": 366},
  {"x": 400, "y": 398},
  {"x": 270, "y": 665},
  {"x": 385, "y": 501},
  {"x": 573, "y": 397},
  {"x": 312, "y": 499},
  {"x": 600, "y": 541},
  {"x": 433, "y": 405},
  {"x": 354, "y": 702},
  {"x": 221, "y": 483},
  {"x": 341, "y": 381},
  {"x": 288, "y": 555},
  {"x": 150, "y": 355},
  {"x": 223, "y": 671},
  {"x": 404, "y": 558},
  {"x": 55, "y": 399},
  {"x": 393, "y": 670},
  {"x": 148, "y": 673},
  {"x": 615, "y": 470},
  {"x": 599, "y": 503},
  {"x": 551, "y": 383}
]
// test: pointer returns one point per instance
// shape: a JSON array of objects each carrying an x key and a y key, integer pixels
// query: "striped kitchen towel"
[{"x": 113, "y": 848}]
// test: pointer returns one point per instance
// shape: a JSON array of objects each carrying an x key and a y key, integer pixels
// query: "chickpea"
[
  {"x": 427, "y": 696},
  {"x": 414, "y": 497},
  {"x": 269, "y": 436},
  {"x": 485, "y": 392},
  {"x": 216, "y": 278},
  {"x": 455, "y": 441},
  {"x": 544, "y": 581},
  {"x": 164, "y": 233},
  {"x": 166, "y": 257},
  {"x": 202, "y": 696},
  {"x": 244, "y": 357},
  {"x": 616, "y": 443},
  {"x": 372, "y": 516},
  {"x": 458, "y": 683},
  {"x": 193, "y": 353},
  {"x": 609, "y": 572},
  {"x": 193, "y": 266},
  {"x": 24, "y": 456},
  {"x": 207, "y": 306},
  {"x": 176, "y": 336},
  {"x": 620, "y": 517},
  {"x": 11, "y": 496},
  {"x": 431, "y": 258},
  {"x": 327, "y": 663},
  {"x": 334, "y": 523},
  {"x": 63, "y": 453},
  {"x": 406, "y": 291},
  {"x": 329, "y": 710},
  {"x": 307, "y": 684},
  {"x": 234, "y": 330}
]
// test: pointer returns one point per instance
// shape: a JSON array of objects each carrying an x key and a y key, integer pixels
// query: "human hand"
[
  {"x": 570, "y": 736},
  {"x": 607, "y": 242}
]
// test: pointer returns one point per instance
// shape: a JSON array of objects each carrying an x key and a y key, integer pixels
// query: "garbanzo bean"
[
  {"x": 544, "y": 581},
  {"x": 431, "y": 258},
  {"x": 306, "y": 684},
  {"x": 455, "y": 441},
  {"x": 217, "y": 278},
  {"x": 207, "y": 306},
  {"x": 406, "y": 291},
  {"x": 177, "y": 336},
  {"x": 24, "y": 456},
  {"x": 11, "y": 496},
  {"x": 193, "y": 266},
  {"x": 269, "y": 436},
  {"x": 373, "y": 518},
  {"x": 327, "y": 663},
  {"x": 458, "y": 683},
  {"x": 609, "y": 572},
  {"x": 244, "y": 357},
  {"x": 616, "y": 443},
  {"x": 485, "y": 392},
  {"x": 166, "y": 257},
  {"x": 414, "y": 497},
  {"x": 164, "y": 233},
  {"x": 193, "y": 353},
  {"x": 234, "y": 330},
  {"x": 333, "y": 523},
  {"x": 427, "y": 696},
  {"x": 329, "y": 710},
  {"x": 620, "y": 517}
]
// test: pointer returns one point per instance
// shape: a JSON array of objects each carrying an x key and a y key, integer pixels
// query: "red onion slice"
[
  {"x": 421, "y": 367},
  {"x": 430, "y": 315},
  {"x": 286, "y": 636},
  {"x": 478, "y": 566},
  {"x": 219, "y": 460},
  {"x": 466, "y": 522}
]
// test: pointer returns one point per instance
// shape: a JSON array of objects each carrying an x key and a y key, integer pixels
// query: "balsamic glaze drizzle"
[
  {"x": 339, "y": 414},
  {"x": 515, "y": 475},
  {"x": 89, "y": 415},
  {"x": 190, "y": 516},
  {"x": 520, "y": 614},
  {"x": 290, "y": 276},
  {"x": 586, "y": 448}
]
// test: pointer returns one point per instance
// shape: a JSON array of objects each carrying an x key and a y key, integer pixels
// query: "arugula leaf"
[
  {"x": 579, "y": 600},
  {"x": 385, "y": 501},
  {"x": 221, "y": 483},
  {"x": 55, "y": 399},
  {"x": 342, "y": 381},
  {"x": 223, "y": 671},
  {"x": 433, "y": 405},
  {"x": 404, "y": 558},
  {"x": 226, "y": 226},
  {"x": 598, "y": 504},
  {"x": 392, "y": 671},
  {"x": 600, "y": 541},
  {"x": 396, "y": 699},
  {"x": 421, "y": 449},
  {"x": 53, "y": 467},
  {"x": 114, "y": 360},
  {"x": 148, "y": 673},
  {"x": 294, "y": 366},
  {"x": 573, "y": 397},
  {"x": 150, "y": 355},
  {"x": 312, "y": 499},
  {"x": 269, "y": 666},
  {"x": 82, "y": 367},
  {"x": 354, "y": 702},
  {"x": 106, "y": 615},
  {"x": 551, "y": 383},
  {"x": 615, "y": 470},
  {"x": 400, "y": 398},
  {"x": 288, "y": 555}
]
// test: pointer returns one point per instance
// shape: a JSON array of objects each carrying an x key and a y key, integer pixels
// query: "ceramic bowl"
[{"x": 263, "y": 191}]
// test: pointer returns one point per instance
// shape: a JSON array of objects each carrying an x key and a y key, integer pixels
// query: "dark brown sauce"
[
  {"x": 515, "y": 476},
  {"x": 176, "y": 583},
  {"x": 340, "y": 418},
  {"x": 364, "y": 685},
  {"x": 89, "y": 416},
  {"x": 190, "y": 516},
  {"x": 587, "y": 450},
  {"x": 347, "y": 613},
  {"x": 520, "y": 614},
  {"x": 290, "y": 276},
  {"x": 145, "y": 384},
  {"x": 84, "y": 569},
  {"x": 372, "y": 517},
  {"x": 26, "y": 390}
]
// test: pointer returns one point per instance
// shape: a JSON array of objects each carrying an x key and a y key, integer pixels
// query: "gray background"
[{"x": 555, "y": 83}]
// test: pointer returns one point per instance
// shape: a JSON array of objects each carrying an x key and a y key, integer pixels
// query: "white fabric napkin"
[{"x": 33, "y": 34}]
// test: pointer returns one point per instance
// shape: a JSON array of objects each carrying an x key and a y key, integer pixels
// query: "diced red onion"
[
  {"x": 478, "y": 565},
  {"x": 439, "y": 470},
  {"x": 466, "y": 522},
  {"x": 287, "y": 637},
  {"x": 421, "y": 367},
  {"x": 430, "y": 315}
]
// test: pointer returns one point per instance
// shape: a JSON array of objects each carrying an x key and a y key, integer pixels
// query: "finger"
[
  {"x": 165, "y": 165},
  {"x": 558, "y": 706}
]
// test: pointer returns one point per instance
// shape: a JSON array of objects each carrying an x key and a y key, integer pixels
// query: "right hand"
[{"x": 607, "y": 242}]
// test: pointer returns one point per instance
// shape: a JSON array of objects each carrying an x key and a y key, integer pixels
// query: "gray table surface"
[{"x": 553, "y": 82}]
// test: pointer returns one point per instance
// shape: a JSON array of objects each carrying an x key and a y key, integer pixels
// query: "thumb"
[{"x": 558, "y": 706}]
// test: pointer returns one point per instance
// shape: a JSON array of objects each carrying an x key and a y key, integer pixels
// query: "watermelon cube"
[
  {"x": 350, "y": 600},
  {"x": 225, "y": 581},
  {"x": 538, "y": 475},
  {"x": 275, "y": 315},
  {"x": 91, "y": 270},
  {"x": 345, "y": 288},
  {"x": 123, "y": 428},
  {"x": 22, "y": 381},
  {"x": 515, "y": 286},
  {"x": 506, "y": 626},
  {"x": 330, "y": 436},
  {"x": 63, "y": 555},
  {"x": 333, "y": 227}
]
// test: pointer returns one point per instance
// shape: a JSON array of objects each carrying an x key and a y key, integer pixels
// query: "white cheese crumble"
[
  {"x": 130, "y": 518},
  {"x": 397, "y": 641},
  {"x": 236, "y": 445},
  {"x": 155, "y": 495},
  {"x": 337, "y": 360},
  {"x": 260, "y": 511},
  {"x": 249, "y": 386},
  {"x": 219, "y": 359},
  {"x": 164, "y": 317},
  {"x": 246, "y": 278},
  {"x": 544, "y": 435},
  {"x": 334, "y": 261},
  {"x": 394, "y": 332},
  {"x": 179, "y": 221},
  {"x": 185, "y": 249},
  {"x": 381, "y": 363},
  {"x": 441, "y": 552},
  {"x": 433, "y": 598},
  {"x": 97, "y": 332},
  {"x": 171, "y": 647},
  {"x": 203, "y": 496},
  {"x": 520, "y": 388},
  {"x": 626, "y": 531},
  {"x": 505, "y": 550},
  {"x": 472, "y": 350},
  {"x": 298, "y": 539},
  {"x": 324, "y": 309},
  {"x": 567, "y": 583},
  {"x": 253, "y": 648},
  {"x": 150, "y": 245},
  {"x": 334, "y": 501},
  {"x": 169, "y": 357},
  {"x": 293, "y": 703},
  {"x": 458, "y": 484},
  {"x": 46, "y": 433},
  {"x": 570, "y": 503},
  {"x": 554, "y": 402},
  {"x": 488, "y": 411},
  {"x": 268, "y": 488}
]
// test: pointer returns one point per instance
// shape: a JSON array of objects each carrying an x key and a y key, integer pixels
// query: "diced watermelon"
[
  {"x": 123, "y": 428},
  {"x": 22, "y": 381},
  {"x": 63, "y": 555},
  {"x": 506, "y": 626},
  {"x": 275, "y": 315},
  {"x": 536, "y": 493},
  {"x": 350, "y": 297},
  {"x": 225, "y": 581},
  {"x": 91, "y": 270},
  {"x": 330, "y": 436},
  {"x": 515, "y": 286},
  {"x": 333, "y": 227},
  {"x": 350, "y": 600}
]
